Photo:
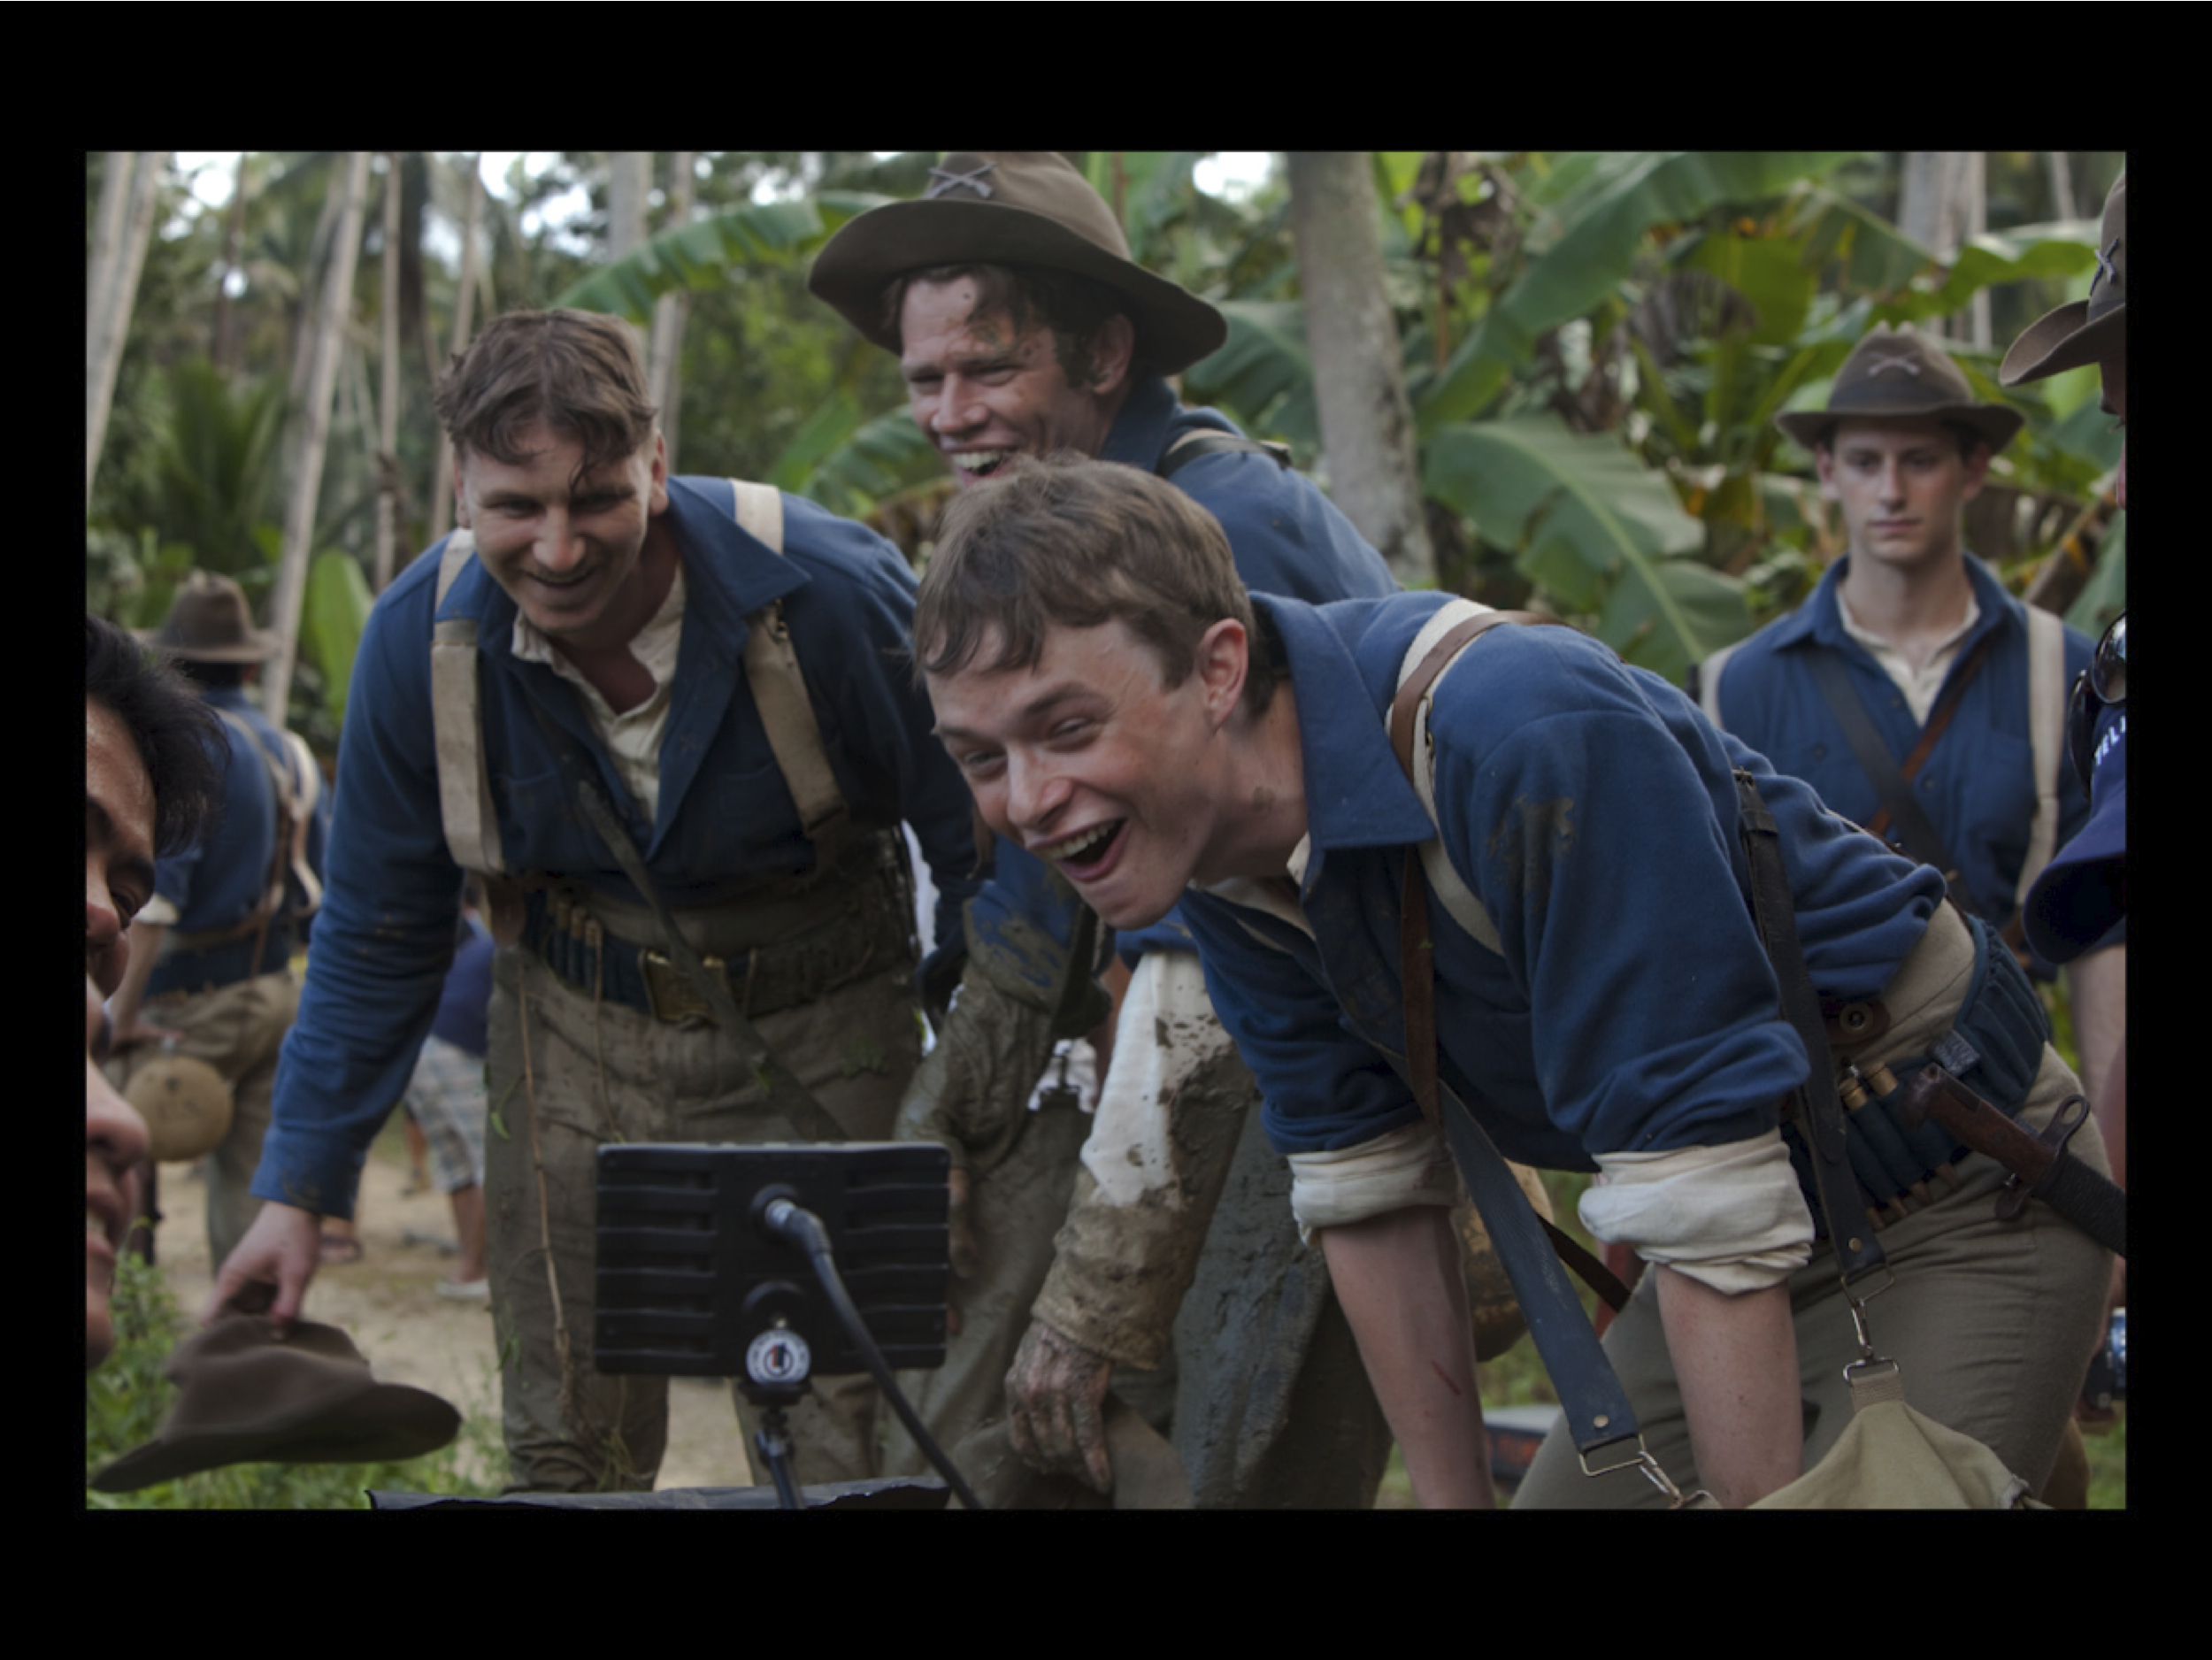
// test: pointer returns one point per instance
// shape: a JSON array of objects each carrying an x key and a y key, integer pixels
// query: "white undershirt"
[
  {"x": 633, "y": 737},
  {"x": 1920, "y": 687}
]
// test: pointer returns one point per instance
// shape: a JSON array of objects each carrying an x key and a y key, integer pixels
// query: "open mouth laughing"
[
  {"x": 978, "y": 464},
  {"x": 1086, "y": 853}
]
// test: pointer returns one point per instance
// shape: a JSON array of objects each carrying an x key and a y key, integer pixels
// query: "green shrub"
[{"x": 126, "y": 1399}]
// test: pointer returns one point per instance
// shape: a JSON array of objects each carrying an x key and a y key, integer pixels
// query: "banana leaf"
[
  {"x": 701, "y": 255},
  {"x": 1596, "y": 530},
  {"x": 1584, "y": 246},
  {"x": 336, "y": 611}
]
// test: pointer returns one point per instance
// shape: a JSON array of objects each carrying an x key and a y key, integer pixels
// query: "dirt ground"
[{"x": 388, "y": 1302}]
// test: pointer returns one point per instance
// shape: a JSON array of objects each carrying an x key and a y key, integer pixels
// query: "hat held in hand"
[{"x": 246, "y": 1396}]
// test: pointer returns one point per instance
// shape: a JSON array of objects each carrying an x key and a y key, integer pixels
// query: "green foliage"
[
  {"x": 336, "y": 611},
  {"x": 1585, "y": 244},
  {"x": 701, "y": 254},
  {"x": 128, "y": 1398},
  {"x": 1599, "y": 536}
]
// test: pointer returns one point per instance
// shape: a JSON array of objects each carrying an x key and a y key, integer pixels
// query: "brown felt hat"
[
  {"x": 209, "y": 623},
  {"x": 245, "y": 1395},
  {"x": 1010, "y": 208},
  {"x": 1901, "y": 375},
  {"x": 2090, "y": 329}
]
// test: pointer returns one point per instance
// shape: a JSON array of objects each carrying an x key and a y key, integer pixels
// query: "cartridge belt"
[
  {"x": 1900, "y": 1154},
  {"x": 774, "y": 952}
]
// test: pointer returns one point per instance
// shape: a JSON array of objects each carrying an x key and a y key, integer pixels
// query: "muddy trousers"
[
  {"x": 1991, "y": 1323},
  {"x": 606, "y": 1073},
  {"x": 237, "y": 1029}
]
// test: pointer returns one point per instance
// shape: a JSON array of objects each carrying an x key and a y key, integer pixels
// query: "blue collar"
[
  {"x": 1820, "y": 618},
  {"x": 1356, "y": 795},
  {"x": 1149, "y": 421}
]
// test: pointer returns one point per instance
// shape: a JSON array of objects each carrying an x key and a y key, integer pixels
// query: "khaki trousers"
[
  {"x": 606, "y": 1073},
  {"x": 237, "y": 1029},
  {"x": 1991, "y": 1323}
]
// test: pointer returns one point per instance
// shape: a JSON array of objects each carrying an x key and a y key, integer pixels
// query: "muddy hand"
[{"x": 1056, "y": 1396}]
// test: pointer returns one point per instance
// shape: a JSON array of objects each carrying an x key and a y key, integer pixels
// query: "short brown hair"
[
  {"x": 1074, "y": 308},
  {"x": 576, "y": 372},
  {"x": 1077, "y": 542}
]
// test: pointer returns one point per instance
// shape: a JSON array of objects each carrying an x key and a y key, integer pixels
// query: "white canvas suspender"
[
  {"x": 1458, "y": 899},
  {"x": 772, "y": 671},
  {"x": 2046, "y": 721}
]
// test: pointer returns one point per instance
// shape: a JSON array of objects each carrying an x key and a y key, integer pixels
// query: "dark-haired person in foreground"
[
  {"x": 1122, "y": 707},
  {"x": 727, "y": 665},
  {"x": 151, "y": 779}
]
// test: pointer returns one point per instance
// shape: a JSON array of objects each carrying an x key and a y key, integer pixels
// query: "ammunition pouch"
[{"x": 2002, "y": 1022}]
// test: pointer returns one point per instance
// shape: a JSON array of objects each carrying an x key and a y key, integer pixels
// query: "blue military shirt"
[
  {"x": 1977, "y": 784},
  {"x": 217, "y": 882},
  {"x": 1591, "y": 809},
  {"x": 386, "y": 930},
  {"x": 1286, "y": 538}
]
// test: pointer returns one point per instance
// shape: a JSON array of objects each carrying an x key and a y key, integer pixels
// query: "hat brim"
[
  {"x": 1997, "y": 424},
  {"x": 1175, "y": 328},
  {"x": 258, "y": 647},
  {"x": 2061, "y": 340},
  {"x": 385, "y": 1424}
]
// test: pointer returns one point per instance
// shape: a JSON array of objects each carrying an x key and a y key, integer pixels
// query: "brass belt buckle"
[{"x": 669, "y": 993}]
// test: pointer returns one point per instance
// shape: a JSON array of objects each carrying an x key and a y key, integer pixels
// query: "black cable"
[{"x": 802, "y": 1227}]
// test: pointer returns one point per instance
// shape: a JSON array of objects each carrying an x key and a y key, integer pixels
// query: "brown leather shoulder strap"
[
  {"x": 1939, "y": 721},
  {"x": 1416, "y": 686}
]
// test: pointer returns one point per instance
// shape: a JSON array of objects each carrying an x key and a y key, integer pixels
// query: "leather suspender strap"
[
  {"x": 785, "y": 1094},
  {"x": 1820, "y": 1111},
  {"x": 1416, "y": 954},
  {"x": 1893, "y": 783}
]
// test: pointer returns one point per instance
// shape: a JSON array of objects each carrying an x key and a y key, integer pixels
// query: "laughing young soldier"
[{"x": 1121, "y": 708}]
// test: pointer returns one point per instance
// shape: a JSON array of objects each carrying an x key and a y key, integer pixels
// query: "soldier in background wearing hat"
[
  {"x": 1911, "y": 647},
  {"x": 211, "y": 975},
  {"x": 1022, "y": 327},
  {"x": 1913, "y": 692}
]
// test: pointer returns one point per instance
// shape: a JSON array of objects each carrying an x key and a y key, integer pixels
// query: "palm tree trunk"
[
  {"x": 670, "y": 312},
  {"x": 113, "y": 286},
  {"x": 463, "y": 302},
  {"x": 1359, "y": 385},
  {"x": 299, "y": 519},
  {"x": 388, "y": 390}
]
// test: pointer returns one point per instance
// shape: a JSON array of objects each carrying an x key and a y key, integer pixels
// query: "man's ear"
[
  {"x": 1224, "y": 658},
  {"x": 1976, "y": 472},
  {"x": 657, "y": 501},
  {"x": 1113, "y": 347}
]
